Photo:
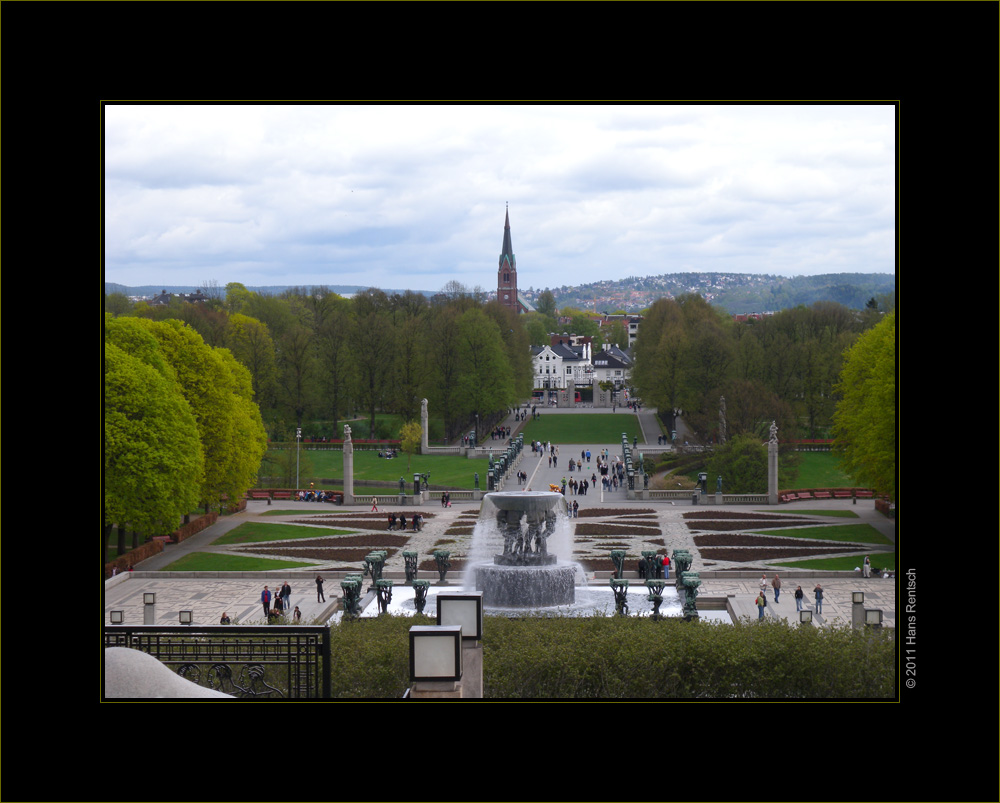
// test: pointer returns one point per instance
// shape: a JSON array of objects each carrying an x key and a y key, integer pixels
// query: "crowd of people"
[
  {"x": 399, "y": 522},
  {"x": 276, "y": 605},
  {"x": 313, "y": 495}
]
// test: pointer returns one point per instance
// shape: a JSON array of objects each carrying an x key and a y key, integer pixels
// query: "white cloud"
[{"x": 413, "y": 196}]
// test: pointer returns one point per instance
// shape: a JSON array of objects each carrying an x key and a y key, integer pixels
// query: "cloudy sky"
[{"x": 413, "y": 196}]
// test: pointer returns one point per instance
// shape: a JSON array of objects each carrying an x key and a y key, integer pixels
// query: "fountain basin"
[{"x": 539, "y": 586}]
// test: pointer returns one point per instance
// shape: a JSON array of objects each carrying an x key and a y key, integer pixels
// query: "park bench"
[
  {"x": 864, "y": 494},
  {"x": 823, "y": 495},
  {"x": 282, "y": 495}
]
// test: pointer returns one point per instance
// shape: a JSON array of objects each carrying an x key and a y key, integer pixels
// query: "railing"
[{"x": 250, "y": 662}]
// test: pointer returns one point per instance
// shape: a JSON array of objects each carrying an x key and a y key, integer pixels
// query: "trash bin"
[{"x": 694, "y": 498}]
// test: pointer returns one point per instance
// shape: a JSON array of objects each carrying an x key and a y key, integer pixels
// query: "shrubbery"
[{"x": 632, "y": 658}]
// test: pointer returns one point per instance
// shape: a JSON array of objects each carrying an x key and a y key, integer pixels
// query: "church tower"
[{"x": 507, "y": 272}]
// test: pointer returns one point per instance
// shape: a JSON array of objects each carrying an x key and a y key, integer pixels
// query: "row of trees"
[
  {"x": 782, "y": 368},
  {"x": 181, "y": 428},
  {"x": 314, "y": 355}
]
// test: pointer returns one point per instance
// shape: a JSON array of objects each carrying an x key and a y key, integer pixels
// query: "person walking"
[
  {"x": 286, "y": 596},
  {"x": 763, "y": 583},
  {"x": 374, "y": 504},
  {"x": 866, "y": 567},
  {"x": 818, "y": 591},
  {"x": 319, "y": 589},
  {"x": 798, "y": 598},
  {"x": 761, "y": 602},
  {"x": 666, "y": 567},
  {"x": 776, "y": 585},
  {"x": 265, "y": 600}
]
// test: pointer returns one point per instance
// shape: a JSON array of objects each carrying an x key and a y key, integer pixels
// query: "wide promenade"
[{"x": 208, "y": 595}]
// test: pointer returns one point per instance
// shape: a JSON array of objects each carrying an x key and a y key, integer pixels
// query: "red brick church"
[{"x": 507, "y": 293}]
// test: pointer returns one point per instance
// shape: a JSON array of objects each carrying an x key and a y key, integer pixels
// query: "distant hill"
[
  {"x": 150, "y": 290},
  {"x": 736, "y": 293}
]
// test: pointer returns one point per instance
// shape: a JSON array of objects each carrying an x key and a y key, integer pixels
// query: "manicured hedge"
[{"x": 632, "y": 658}]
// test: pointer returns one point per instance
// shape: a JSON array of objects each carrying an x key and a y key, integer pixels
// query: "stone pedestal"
[
  {"x": 348, "y": 467},
  {"x": 430, "y": 690},
  {"x": 772, "y": 468}
]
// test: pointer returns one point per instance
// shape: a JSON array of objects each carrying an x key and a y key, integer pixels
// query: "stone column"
[
  {"x": 772, "y": 466},
  {"x": 348, "y": 466},
  {"x": 424, "y": 446}
]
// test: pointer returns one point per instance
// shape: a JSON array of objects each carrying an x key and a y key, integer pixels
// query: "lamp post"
[
  {"x": 148, "y": 608},
  {"x": 465, "y": 609},
  {"x": 435, "y": 661},
  {"x": 298, "y": 438},
  {"x": 857, "y": 609}
]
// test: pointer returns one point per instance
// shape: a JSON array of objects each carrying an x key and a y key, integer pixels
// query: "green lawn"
[
  {"x": 453, "y": 471},
  {"x": 821, "y": 470},
  {"x": 583, "y": 428},
  {"x": 881, "y": 560},
  {"x": 212, "y": 562},
  {"x": 857, "y": 533},
  {"x": 836, "y": 514},
  {"x": 253, "y": 532}
]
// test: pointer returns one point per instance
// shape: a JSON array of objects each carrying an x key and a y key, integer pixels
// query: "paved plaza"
[{"x": 209, "y": 595}]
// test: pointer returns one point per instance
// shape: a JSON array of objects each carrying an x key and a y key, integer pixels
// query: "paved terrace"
[{"x": 209, "y": 595}]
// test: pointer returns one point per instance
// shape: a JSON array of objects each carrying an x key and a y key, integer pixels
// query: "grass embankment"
[
  {"x": 820, "y": 470},
  {"x": 853, "y": 533},
  {"x": 250, "y": 532},
  {"x": 253, "y": 532},
  {"x": 451, "y": 471},
  {"x": 222, "y": 562},
  {"x": 583, "y": 428}
]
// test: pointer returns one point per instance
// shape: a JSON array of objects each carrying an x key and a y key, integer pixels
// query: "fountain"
[
  {"x": 525, "y": 573},
  {"x": 520, "y": 559}
]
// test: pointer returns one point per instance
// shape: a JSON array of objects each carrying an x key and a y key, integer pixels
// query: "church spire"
[
  {"x": 507, "y": 271},
  {"x": 507, "y": 250}
]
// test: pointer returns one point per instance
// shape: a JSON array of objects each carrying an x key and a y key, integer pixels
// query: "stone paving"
[{"x": 209, "y": 596}]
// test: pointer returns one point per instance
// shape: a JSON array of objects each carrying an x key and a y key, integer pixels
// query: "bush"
[{"x": 603, "y": 658}]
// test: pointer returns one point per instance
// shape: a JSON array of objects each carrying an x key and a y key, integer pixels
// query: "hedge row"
[{"x": 632, "y": 658}]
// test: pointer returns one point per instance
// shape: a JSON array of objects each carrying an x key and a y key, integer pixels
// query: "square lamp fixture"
[
  {"x": 464, "y": 609},
  {"x": 805, "y": 617},
  {"x": 148, "y": 598},
  {"x": 858, "y": 597},
  {"x": 435, "y": 653},
  {"x": 186, "y": 617},
  {"x": 873, "y": 616},
  {"x": 117, "y": 617}
]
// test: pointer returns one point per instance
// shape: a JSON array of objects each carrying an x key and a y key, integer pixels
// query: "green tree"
[
  {"x": 410, "y": 436},
  {"x": 219, "y": 392},
  {"x": 297, "y": 357},
  {"x": 444, "y": 367},
  {"x": 865, "y": 419},
  {"x": 153, "y": 460},
  {"x": 251, "y": 343},
  {"x": 742, "y": 464},
  {"x": 547, "y": 304},
  {"x": 486, "y": 380},
  {"x": 372, "y": 342}
]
